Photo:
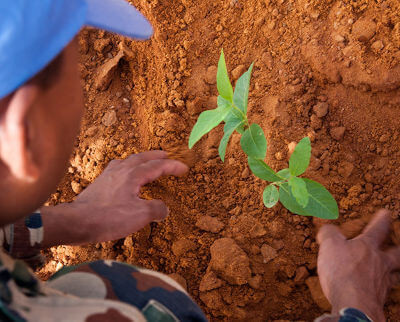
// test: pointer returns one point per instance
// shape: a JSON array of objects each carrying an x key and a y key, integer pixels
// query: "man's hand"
[
  {"x": 357, "y": 273},
  {"x": 110, "y": 208}
]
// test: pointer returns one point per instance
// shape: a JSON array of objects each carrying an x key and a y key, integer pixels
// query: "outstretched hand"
[
  {"x": 357, "y": 273},
  {"x": 111, "y": 208}
]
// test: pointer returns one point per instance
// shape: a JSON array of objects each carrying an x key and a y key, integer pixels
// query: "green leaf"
[
  {"x": 229, "y": 128},
  {"x": 253, "y": 142},
  {"x": 233, "y": 117},
  {"x": 206, "y": 122},
  {"x": 221, "y": 102},
  {"x": 284, "y": 174},
  {"x": 300, "y": 158},
  {"x": 223, "y": 83},
  {"x": 262, "y": 170},
  {"x": 270, "y": 196},
  {"x": 320, "y": 204},
  {"x": 299, "y": 190},
  {"x": 241, "y": 94}
]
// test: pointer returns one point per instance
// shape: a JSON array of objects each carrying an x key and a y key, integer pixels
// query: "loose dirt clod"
[
  {"x": 210, "y": 224},
  {"x": 211, "y": 75},
  {"x": 229, "y": 261},
  {"x": 209, "y": 282},
  {"x": 317, "y": 293},
  {"x": 110, "y": 118},
  {"x": 76, "y": 187},
  {"x": 321, "y": 109},
  {"x": 364, "y": 29},
  {"x": 338, "y": 132},
  {"x": 268, "y": 253}
]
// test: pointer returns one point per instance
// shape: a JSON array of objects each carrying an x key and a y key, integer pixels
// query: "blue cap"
[{"x": 33, "y": 32}]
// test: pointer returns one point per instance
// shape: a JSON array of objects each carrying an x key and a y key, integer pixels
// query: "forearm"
[{"x": 63, "y": 225}]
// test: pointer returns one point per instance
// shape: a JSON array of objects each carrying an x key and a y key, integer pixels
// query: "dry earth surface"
[{"x": 324, "y": 69}]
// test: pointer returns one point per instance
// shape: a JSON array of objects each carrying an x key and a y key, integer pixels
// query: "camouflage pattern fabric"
[{"x": 90, "y": 292}]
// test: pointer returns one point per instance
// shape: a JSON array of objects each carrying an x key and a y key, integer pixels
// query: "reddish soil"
[{"x": 310, "y": 57}]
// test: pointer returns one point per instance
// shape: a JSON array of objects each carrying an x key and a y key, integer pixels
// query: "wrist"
[
  {"x": 64, "y": 225},
  {"x": 365, "y": 305}
]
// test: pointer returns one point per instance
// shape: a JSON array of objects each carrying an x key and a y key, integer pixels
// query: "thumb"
[
  {"x": 156, "y": 210},
  {"x": 329, "y": 232}
]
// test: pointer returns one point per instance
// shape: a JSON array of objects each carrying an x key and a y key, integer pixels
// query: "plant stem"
[{"x": 243, "y": 115}]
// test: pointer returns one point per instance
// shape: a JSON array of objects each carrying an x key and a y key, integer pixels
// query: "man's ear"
[{"x": 15, "y": 152}]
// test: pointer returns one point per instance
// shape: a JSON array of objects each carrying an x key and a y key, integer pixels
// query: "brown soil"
[{"x": 309, "y": 56}]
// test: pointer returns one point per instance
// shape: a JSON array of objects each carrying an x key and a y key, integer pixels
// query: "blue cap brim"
[
  {"x": 118, "y": 16},
  {"x": 32, "y": 33}
]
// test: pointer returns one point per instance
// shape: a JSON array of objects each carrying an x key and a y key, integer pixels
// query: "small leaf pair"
[{"x": 299, "y": 195}]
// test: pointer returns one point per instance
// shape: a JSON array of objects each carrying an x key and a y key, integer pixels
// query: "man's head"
[
  {"x": 40, "y": 96},
  {"x": 38, "y": 124}
]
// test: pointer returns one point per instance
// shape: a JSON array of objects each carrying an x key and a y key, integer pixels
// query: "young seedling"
[{"x": 301, "y": 196}]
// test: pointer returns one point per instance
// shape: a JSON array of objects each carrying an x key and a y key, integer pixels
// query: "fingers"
[
  {"x": 137, "y": 159},
  {"x": 378, "y": 228},
  {"x": 329, "y": 232},
  {"x": 156, "y": 210},
  {"x": 152, "y": 170}
]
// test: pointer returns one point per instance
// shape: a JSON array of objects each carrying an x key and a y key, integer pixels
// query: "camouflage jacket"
[{"x": 95, "y": 292}]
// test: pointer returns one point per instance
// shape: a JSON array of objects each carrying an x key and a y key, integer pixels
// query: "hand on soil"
[
  {"x": 111, "y": 207},
  {"x": 356, "y": 272}
]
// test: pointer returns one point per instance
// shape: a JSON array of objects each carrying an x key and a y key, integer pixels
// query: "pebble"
[
  {"x": 377, "y": 45},
  {"x": 345, "y": 169},
  {"x": 255, "y": 281},
  {"x": 109, "y": 118},
  {"x": 238, "y": 71},
  {"x": 194, "y": 107},
  {"x": 245, "y": 173},
  {"x": 315, "y": 122},
  {"x": 317, "y": 294},
  {"x": 321, "y": 109},
  {"x": 314, "y": 15},
  {"x": 268, "y": 253},
  {"x": 91, "y": 131},
  {"x": 279, "y": 156},
  {"x": 211, "y": 224},
  {"x": 291, "y": 147},
  {"x": 364, "y": 29},
  {"x": 229, "y": 261},
  {"x": 301, "y": 274},
  {"x": 209, "y": 282},
  {"x": 339, "y": 38},
  {"x": 76, "y": 187},
  {"x": 338, "y": 132},
  {"x": 98, "y": 155},
  {"x": 126, "y": 102},
  {"x": 211, "y": 75}
]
